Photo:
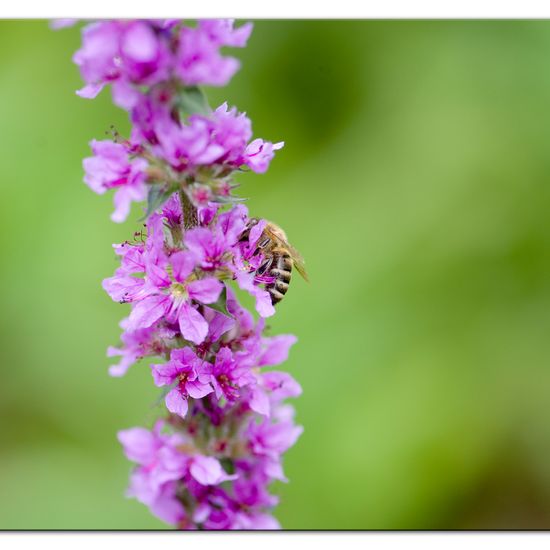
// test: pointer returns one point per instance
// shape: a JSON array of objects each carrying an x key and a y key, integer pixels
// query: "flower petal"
[
  {"x": 197, "y": 389},
  {"x": 164, "y": 374},
  {"x": 183, "y": 264},
  {"x": 166, "y": 506},
  {"x": 280, "y": 385},
  {"x": 208, "y": 471},
  {"x": 90, "y": 91},
  {"x": 206, "y": 290},
  {"x": 198, "y": 241},
  {"x": 139, "y": 444},
  {"x": 263, "y": 299},
  {"x": 176, "y": 403},
  {"x": 232, "y": 223},
  {"x": 192, "y": 324},
  {"x": 277, "y": 349},
  {"x": 147, "y": 311},
  {"x": 259, "y": 401}
]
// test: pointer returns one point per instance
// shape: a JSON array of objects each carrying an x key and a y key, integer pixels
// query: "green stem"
[{"x": 190, "y": 218}]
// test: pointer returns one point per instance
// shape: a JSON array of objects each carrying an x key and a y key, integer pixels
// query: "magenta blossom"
[
  {"x": 272, "y": 439},
  {"x": 159, "y": 465},
  {"x": 220, "y": 138},
  {"x": 228, "y": 376},
  {"x": 259, "y": 153},
  {"x": 191, "y": 376},
  {"x": 198, "y": 59},
  {"x": 263, "y": 299},
  {"x": 185, "y": 146},
  {"x": 112, "y": 168},
  {"x": 212, "y": 247},
  {"x": 208, "y": 471},
  {"x": 97, "y": 57},
  {"x": 137, "y": 344},
  {"x": 129, "y": 54},
  {"x": 121, "y": 52},
  {"x": 167, "y": 291},
  {"x": 272, "y": 388},
  {"x": 221, "y": 32}
]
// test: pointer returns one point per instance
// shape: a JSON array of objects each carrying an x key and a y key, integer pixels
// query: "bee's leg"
[
  {"x": 246, "y": 233},
  {"x": 264, "y": 266},
  {"x": 244, "y": 236},
  {"x": 261, "y": 245}
]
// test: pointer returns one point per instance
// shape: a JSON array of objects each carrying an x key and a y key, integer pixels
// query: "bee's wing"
[
  {"x": 298, "y": 261},
  {"x": 278, "y": 235}
]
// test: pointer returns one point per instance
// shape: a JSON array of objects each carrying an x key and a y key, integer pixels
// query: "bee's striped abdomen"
[{"x": 281, "y": 268}]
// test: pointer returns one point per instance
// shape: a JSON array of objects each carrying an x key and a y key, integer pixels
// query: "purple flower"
[
  {"x": 272, "y": 388},
  {"x": 171, "y": 212},
  {"x": 159, "y": 465},
  {"x": 198, "y": 58},
  {"x": 140, "y": 445},
  {"x": 127, "y": 285},
  {"x": 272, "y": 439},
  {"x": 166, "y": 506},
  {"x": 280, "y": 385},
  {"x": 137, "y": 344},
  {"x": 228, "y": 376},
  {"x": 144, "y": 57},
  {"x": 232, "y": 223},
  {"x": 148, "y": 52},
  {"x": 245, "y": 319},
  {"x": 208, "y": 247},
  {"x": 218, "y": 325},
  {"x": 146, "y": 110},
  {"x": 212, "y": 248},
  {"x": 218, "y": 139},
  {"x": 259, "y": 153},
  {"x": 185, "y": 146},
  {"x": 166, "y": 291},
  {"x": 191, "y": 376},
  {"x": 208, "y": 471},
  {"x": 250, "y": 489},
  {"x": 263, "y": 299},
  {"x": 121, "y": 52},
  {"x": 221, "y": 32},
  {"x": 112, "y": 168},
  {"x": 232, "y": 131},
  {"x": 275, "y": 349},
  {"x": 97, "y": 58}
]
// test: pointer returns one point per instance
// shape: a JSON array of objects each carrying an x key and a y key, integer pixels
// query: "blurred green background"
[{"x": 416, "y": 183}]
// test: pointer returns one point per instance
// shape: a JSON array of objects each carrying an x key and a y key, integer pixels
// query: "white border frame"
[{"x": 281, "y": 9}]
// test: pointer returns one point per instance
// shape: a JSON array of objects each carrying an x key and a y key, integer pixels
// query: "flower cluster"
[
  {"x": 209, "y": 459},
  {"x": 129, "y": 54},
  {"x": 154, "y": 68}
]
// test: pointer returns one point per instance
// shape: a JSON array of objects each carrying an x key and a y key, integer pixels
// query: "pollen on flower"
[{"x": 179, "y": 290}]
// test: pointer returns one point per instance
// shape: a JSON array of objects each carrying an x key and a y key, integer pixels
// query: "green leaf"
[
  {"x": 228, "y": 465},
  {"x": 193, "y": 101},
  {"x": 158, "y": 195},
  {"x": 222, "y": 199},
  {"x": 221, "y": 304}
]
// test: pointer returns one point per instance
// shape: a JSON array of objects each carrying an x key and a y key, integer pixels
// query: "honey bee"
[{"x": 279, "y": 259}]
